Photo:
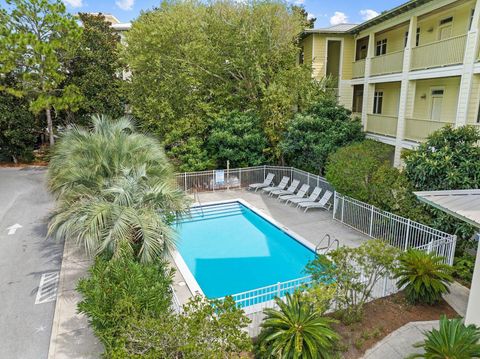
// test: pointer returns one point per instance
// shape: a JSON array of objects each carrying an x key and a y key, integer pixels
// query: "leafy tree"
[
  {"x": 296, "y": 330},
  {"x": 311, "y": 137},
  {"x": 18, "y": 128},
  {"x": 449, "y": 159},
  {"x": 351, "y": 168},
  {"x": 237, "y": 137},
  {"x": 95, "y": 69},
  {"x": 309, "y": 21},
  {"x": 36, "y": 40},
  {"x": 115, "y": 187},
  {"x": 208, "y": 59},
  {"x": 453, "y": 340},
  {"x": 424, "y": 276},
  {"x": 354, "y": 272}
]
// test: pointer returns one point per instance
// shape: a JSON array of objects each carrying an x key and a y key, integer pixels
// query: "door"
[
  {"x": 437, "y": 102},
  {"x": 445, "y": 32}
]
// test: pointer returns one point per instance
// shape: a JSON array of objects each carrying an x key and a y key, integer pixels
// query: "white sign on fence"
[{"x": 219, "y": 177}]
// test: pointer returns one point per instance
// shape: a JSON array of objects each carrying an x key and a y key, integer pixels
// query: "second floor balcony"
[
  {"x": 387, "y": 64},
  {"x": 440, "y": 53},
  {"x": 382, "y": 124}
]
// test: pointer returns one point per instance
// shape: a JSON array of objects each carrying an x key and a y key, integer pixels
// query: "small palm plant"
[
  {"x": 453, "y": 340},
  {"x": 115, "y": 188},
  {"x": 296, "y": 330},
  {"x": 424, "y": 276}
]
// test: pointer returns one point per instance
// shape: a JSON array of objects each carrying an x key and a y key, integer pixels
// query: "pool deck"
[{"x": 312, "y": 225}]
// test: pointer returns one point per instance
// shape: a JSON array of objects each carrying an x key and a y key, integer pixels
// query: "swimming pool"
[{"x": 227, "y": 248}]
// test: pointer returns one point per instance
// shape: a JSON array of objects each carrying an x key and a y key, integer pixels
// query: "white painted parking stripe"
[{"x": 47, "y": 289}]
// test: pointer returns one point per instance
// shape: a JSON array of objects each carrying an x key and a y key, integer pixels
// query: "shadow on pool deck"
[{"x": 312, "y": 225}]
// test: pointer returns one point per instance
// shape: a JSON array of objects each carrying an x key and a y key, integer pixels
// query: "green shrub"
[
  {"x": 463, "y": 267},
  {"x": 453, "y": 340},
  {"x": 351, "y": 169},
  {"x": 296, "y": 330},
  {"x": 311, "y": 137},
  {"x": 354, "y": 272},
  {"x": 424, "y": 276},
  {"x": 121, "y": 290}
]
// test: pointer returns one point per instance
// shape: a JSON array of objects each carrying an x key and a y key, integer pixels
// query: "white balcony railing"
[
  {"x": 439, "y": 53},
  {"x": 382, "y": 125},
  {"x": 419, "y": 129},
  {"x": 358, "y": 69},
  {"x": 387, "y": 64}
]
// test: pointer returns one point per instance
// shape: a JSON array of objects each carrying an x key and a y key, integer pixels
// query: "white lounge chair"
[
  {"x": 323, "y": 203},
  {"x": 282, "y": 185},
  {"x": 290, "y": 190},
  {"x": 267, "y": 182},
  {"x": 300, "y": 194},
  {"x": 312, "y": 198}
]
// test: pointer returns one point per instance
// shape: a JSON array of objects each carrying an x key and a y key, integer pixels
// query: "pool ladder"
[
  {"x": 196, "y": 198},
  {"x": 323, "y": 250}
]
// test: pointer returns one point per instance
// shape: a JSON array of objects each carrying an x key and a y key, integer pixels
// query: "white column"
[
  {"x": 404, "y": 89},
  {"x": 473, "y": 309},
  {"x": 366, "y": 86},
  {"x": 471, "y": 51}
]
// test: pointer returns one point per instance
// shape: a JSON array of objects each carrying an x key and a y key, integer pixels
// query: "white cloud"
[
  {"x": 74, "y": 3},
  {"x": 338, "y": 18},
  {"x": 368, "y": 14},
  {"x": 298, "y": 2},
  {"x": 125, "y": 4},
  {"x": 310, "y": 16}
]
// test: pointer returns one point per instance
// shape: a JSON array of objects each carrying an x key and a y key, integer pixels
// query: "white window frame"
[
  {"x": 377, "y": 110},
  {"x": 442, "y": 26},
  {"x": 379, "y": 44}
]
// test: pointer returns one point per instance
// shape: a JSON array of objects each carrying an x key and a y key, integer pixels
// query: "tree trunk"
[{"x": 50, "y": 126}]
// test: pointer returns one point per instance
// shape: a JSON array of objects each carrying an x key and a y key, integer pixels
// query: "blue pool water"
[{"x": 230, "y": 249}]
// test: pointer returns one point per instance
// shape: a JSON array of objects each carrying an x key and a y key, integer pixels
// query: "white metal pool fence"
[{"x": 398, "y": 231}]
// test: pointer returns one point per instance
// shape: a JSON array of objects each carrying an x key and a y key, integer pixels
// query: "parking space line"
[{"x": 47, "y": 289}]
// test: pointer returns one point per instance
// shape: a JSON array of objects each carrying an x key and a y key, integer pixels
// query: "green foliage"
[
  {"x": 18, "y": 128},
  {"x": 351, "y": 168},
  {"x": 37, "y": 40},
  {"x": 424, "y": 276},
  {"x": 453, "y": 340},
  {"x": 463, "y": 267},
  {"x": 320, "y": 295},
  {"x": 449, "y": 159},
  {"x": 121, "y": 290},
  {"x": 354, "y": 272},
  {"x": 207, "y": 59},
  {"x": 115, "y": 187},
  {"x": 311, "y": 137},
  {"x": 95, "y": 70},
  {"x": 239, "y": 138},
  {"x": 296, "y": 330}
]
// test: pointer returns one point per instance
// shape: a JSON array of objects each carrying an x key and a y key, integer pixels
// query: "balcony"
[
  {"x": 387, "y": 64},
  {"x": 382, "y": 124},
  {"x": 439, "y": 53},
  {"x": 358, "y": 69},
  {"x": 418, "y": 129}
]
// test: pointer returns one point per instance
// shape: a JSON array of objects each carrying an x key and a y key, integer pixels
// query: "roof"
[
  {"x": 340, "y": 28},
  {"x": 355, "y": 29},
  {"x": 122, "y": 26},
  {"x": 463, "y": 204}
]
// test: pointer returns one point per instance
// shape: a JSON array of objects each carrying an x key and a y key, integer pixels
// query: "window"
[
  {"x": 301, "y": 56},
  {"x": 471, "y": 19},
  {"x": 447, "y": 20},
  {"x": 417, "y": 39},
  {"x": 377, "y": 102},
  {"x": 381, "y": 48},
  {"x": 406, "y": 39},
  {"x": 437, "y": 92},
  {"x": 478, "y": 114}
]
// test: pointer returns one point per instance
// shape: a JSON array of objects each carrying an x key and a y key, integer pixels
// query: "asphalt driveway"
[{"x": 29, "y": 264}]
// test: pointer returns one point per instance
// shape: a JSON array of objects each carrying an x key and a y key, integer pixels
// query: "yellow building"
[{"x": 407, "y": 72}]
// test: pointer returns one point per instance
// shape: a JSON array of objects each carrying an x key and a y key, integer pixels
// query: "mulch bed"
[
  {"x": 382, "y": 317},
  {"x": 23, "y": 165}
]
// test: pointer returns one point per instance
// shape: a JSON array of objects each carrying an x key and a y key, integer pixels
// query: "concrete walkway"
[
  {"x": 399, "y": 344},
  {"x": 72, "y": 337}
]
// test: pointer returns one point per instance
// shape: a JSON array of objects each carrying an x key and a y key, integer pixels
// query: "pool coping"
[{"x": 188, "y": 276}]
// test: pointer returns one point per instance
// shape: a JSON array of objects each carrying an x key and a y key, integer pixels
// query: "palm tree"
[
  {"x": 453, "y": 340},
  {"x": 424, "y": 276},
  {"x": 296, "y": 330},
  {"x": 115, "y": 189}
]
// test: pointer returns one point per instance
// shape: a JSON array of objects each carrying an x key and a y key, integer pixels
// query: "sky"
[{"x": 327, "y": 12}]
